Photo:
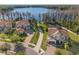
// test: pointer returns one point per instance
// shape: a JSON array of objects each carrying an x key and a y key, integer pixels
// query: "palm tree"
[
  {"x": 7, "y": 14},
  {"x": 26, "y": 16},
  {"x": 2, "y": 15},
  {"x": 20, "y": 16},
  {"x": 23, "y": 15},
  {"x": 5, "y": 10},
  {"x": 29, "y": 15}
]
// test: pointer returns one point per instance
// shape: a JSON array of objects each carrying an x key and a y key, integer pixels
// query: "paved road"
[{"x": 38, "y": 45}]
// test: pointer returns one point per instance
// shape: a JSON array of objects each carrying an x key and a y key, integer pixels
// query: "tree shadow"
[{"x": 74, "y": 48}]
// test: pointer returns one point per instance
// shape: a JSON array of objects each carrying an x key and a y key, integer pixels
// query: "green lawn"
[
  {"x": 45, "y": 35},
  {"x": 44, "y": 42},
  {"x": 74, "y": 42},
  {"x": 4, "y": 37},
  {"x": 35, "y": 38},
  {"x": 62, "y": 52},
  {"x": 73, "y": 37},
  {"x": 11, "y": 38},
  {"x": 20, "y": 53},
  {"x": 43, "y": 26}
]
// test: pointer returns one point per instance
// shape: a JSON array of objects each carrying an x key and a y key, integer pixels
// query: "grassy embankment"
[
  {"x": 74, "y": 42},
  {"x": 35, "y": 38},
  {"x": 45, "y": 35},
  {"x": 44, "y": 42}
]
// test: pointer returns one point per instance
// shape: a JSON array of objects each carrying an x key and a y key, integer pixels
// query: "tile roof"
[
  {"x": 51, "y": 31},
  {"x": 19, "y": 30},
  {"x": 22, "y": 22},
  {"x": 5, "y": 23}
]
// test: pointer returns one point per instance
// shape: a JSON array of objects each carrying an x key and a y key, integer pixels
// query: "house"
[
  {"x": 22, "y": 24},
  {"x": 20, "y": 30},
  {"x": 5, "y": 24},
  {"x": 25, "y": 25},
  {"x": 57, "y": 36}
]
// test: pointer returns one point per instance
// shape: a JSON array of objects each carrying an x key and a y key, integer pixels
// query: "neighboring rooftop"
[
  {"x": 22, "y": 22},
  {"x": 55, "y": 31},
  {"x": 5, "y": 23}
]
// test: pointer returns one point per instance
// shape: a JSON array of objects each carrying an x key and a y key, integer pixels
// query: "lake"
[{"x": 34, "y": 11}]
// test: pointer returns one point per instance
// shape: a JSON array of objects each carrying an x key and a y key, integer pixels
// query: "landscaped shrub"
[
  {"x": 19, "y": 49},
  {"x": 5, "y": 48},
  {"x": 9, "y": 31},
  {"x": 16, "y": 38},
  {"x": 23, "y": 34},
  {"x": 58, "y": 52},
  {"x": 13, "y": 24}
]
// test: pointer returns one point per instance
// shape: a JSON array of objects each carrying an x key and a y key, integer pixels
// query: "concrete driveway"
[
  {"x": 50, "y": 50},
  {"x": 38, "y": 45}
]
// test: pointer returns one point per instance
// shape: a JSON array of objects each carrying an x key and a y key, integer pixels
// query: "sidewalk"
[{"x": 27, "y": 40}]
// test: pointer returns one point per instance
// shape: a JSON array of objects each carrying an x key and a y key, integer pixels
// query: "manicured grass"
[
  {"x": 10, "y": 38},
  {"x": 62, "y": 52},
  {"x": 74, "y": 48},
  {"x": 43, "y": 26},
  {"x": 74, "y": 42},
  {"x": 73, "y": 37},
  {"x": 45, "y": 35},
  {"x": 35, "y": 38},
  {"x": 4, "y": 37},
  {"x": 44, "y": 42},
  {"x": 20, "y": 53}
]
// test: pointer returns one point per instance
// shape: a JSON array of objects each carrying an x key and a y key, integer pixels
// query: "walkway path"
[
  {"x": 28, "y": 39},
  {"x": 29, "y": 51},
  {"x": 38, "y": 45}
]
